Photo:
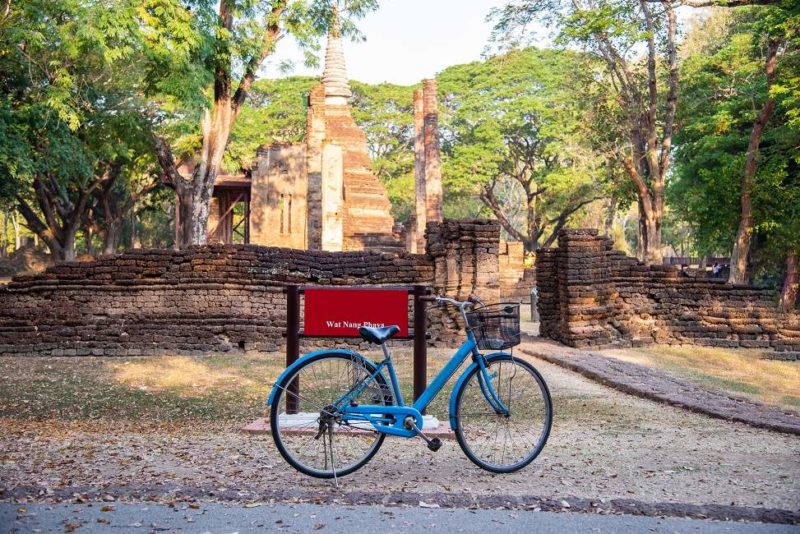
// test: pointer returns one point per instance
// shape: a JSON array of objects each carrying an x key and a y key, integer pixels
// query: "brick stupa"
[{"x": 365, "y": 218}]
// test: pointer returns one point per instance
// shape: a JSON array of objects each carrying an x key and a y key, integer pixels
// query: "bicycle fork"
[{"x": 485, "y": 383}]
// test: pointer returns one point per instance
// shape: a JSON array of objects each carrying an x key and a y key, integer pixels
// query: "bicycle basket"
[{"x": 496, "y": 326}]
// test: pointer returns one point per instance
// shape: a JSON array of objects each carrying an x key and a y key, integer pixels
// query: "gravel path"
[
  {"x": 659, "y": 386},
  {"x": 607, "y": 450}
]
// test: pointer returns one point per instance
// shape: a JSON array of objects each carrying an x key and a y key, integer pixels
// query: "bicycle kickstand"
[{"x": 434, "y": 444}]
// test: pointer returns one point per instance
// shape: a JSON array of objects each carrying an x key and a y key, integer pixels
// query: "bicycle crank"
[{"x": 434, "y": 444}]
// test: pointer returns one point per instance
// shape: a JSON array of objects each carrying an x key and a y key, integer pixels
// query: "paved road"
[{"x": 279, "y": 517}]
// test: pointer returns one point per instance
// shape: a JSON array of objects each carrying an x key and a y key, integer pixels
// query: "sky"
[{"x": 408, "y": 40}]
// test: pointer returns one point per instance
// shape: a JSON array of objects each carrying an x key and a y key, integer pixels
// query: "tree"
[
  {"x": 778, "y": 27},
  {"x": 616, "y": 31},
  {"x": 513, "y": 132},
  {"x": 275, "y": 112},
  {"x": 69, "y": 112},
  {"x": 719, "y": 161},
  {"x": 222, "y": 41}
]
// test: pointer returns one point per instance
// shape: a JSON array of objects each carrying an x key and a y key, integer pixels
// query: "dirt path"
[
  {"x": 604, "y": 445},
  {"x": 663, "y": 387}
]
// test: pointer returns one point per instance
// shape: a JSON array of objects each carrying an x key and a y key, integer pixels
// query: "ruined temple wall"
[
  {"x": 591, "y": 295},
  {"x": 214, "y": 298},
  {"x": 465, "y": 260},
  {"x": 278, "y": 197},
  {"x": 207, "y": 299},
  {"x": 516, "y": 281}
]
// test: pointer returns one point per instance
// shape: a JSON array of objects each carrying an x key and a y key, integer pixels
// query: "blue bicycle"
[{"x": 332, "y": 409}]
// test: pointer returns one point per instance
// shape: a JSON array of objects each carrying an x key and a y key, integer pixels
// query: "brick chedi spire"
[
  {"x": 348, "y": 208},
  {"x": 334, "y": 77}
]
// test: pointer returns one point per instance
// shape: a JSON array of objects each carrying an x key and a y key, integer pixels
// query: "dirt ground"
[{"x": 604, "y": 445}]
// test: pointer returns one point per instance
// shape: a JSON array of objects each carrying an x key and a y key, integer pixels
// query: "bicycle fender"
[
  {"x": 460, "y": 382},
  {"x": 302, "y": 360}
]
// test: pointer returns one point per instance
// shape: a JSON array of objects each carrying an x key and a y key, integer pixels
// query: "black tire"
[
  {"x": 292, "y": 439},
  {"x": 478, "y": 426}
]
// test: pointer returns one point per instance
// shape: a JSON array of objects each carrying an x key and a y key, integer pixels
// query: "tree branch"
[
  {"x": 272, "y": 34},
  {"x": 167, "y": 164},
  {"x": 43, "y": 198},
  {"x": 35, "y": 224},
  {"x": 726, "y": 3},
  {"x": 563, "y": 219},
  {"x": 488, "y": 198},
  {"x": 222, "y": 55},
  {"x": 672, "y": 95},
  {"x": 638, "y": 181}
]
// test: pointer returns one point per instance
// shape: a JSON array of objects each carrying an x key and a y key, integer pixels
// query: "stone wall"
[
  {"x": 217, "y": 297},
  {"x": 465, "y": 262},
  {"x": 516, "y": 280},
  {"x": 592, "y": 295},
  {"x": 278, "y": 196}
]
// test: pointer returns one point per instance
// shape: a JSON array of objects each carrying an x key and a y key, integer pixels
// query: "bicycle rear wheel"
[
  {"x": 308, "y": 429},
  {"x": 498, "y": 442}
]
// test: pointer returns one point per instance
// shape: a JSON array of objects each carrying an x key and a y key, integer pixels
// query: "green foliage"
[
  {"x": 275, "y": 112},
  {"x": 724, "y": 87},
  {"x": 70, "y": 107},
  {"x": 517, "y": 122}
]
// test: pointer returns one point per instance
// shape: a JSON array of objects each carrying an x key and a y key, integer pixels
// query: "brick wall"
[
  {"x": 516, "y": 280},
  {"x": 213, "y": 298},
  {"x": 465, "y": 260},
  {"x": 591, "y": 295}
]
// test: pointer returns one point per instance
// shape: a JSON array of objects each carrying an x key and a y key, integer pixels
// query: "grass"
[
  {"x": 226, "y": 388},
  {"x": 738, "y": 371}
]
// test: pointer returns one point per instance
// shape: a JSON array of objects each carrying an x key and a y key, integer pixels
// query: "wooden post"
[
  {"x": 420, "y": 342},
  {"x": 292, "y": 343}
]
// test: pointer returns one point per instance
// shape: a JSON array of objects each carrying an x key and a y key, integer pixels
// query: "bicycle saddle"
[{"x": 378, "y": 335}]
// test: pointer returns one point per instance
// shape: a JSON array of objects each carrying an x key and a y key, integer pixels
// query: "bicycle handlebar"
[{"x": 461, "y": 304}]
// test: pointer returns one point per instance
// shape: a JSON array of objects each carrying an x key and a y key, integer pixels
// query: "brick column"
[
  {"x": 433, "y": 170},
  {"x": 332, "y": 198},
  {"x": 419, "y": 172},
  {"x": 547, "y": 287},
  {"x": 584, "y": 290},
  {"x": 465, "y": 262},
  {"x": 315, "y": 135}
]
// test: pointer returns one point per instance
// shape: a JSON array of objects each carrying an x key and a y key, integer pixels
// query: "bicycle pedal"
[{"x": 435, "y": 444}]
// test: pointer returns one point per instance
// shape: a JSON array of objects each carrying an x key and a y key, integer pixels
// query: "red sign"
[{"x": 340, "y": 312}]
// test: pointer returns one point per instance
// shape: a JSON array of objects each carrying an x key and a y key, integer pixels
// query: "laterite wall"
[
  {"x": 219, "y": 297},
  {"x": 592, "y": 295}
]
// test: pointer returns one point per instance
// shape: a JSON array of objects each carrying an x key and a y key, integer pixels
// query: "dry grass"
[
  {"x": 738, "y": 371},
  {"x": 226, "y": 388}
]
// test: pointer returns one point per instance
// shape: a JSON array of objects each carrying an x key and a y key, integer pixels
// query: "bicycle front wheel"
[
  {"x": 306, "y": 425},
  {"x": 503, "y": 442}
]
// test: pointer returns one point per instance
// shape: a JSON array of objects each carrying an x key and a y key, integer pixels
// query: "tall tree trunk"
[
  {"x": 610, "y": 214},
  {"x": 111, "y": 238},
  {"x": 89, "y": 234},
  {"x": 195, "y": 193},
  {"x": 790, "y": 282},
  {"x": 744, "y": 235},
  {"x": 134, "y": 232},
  {"x": 17, "y": 235},
  {"x": 68, "y": 250},
  {"x": 4, "y": 241},
  {"x": 641, "y": 233}
]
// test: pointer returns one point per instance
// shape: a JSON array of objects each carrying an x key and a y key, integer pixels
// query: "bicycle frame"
[{"x": 392, "y": 418}]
